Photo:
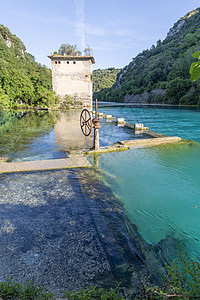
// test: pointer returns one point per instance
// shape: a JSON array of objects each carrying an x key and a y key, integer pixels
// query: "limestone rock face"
[
  {"x": 154, "y": 96},
  {"x": 175, "y": 29}
]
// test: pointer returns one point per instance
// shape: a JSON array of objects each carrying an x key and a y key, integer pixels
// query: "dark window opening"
[
  {"x": 74, "y": 62},
  {"x": 59, "y": 62},
  {"x": 67, "y": 62},
  {"x": 55, "y": 62}
]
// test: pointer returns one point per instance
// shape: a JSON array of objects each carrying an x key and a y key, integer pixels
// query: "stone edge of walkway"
[{"x": 76, "y": 161}]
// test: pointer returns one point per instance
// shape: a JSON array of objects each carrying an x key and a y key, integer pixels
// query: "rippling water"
[
  {"x": 160, "y": 187},
  {"x": 171, "y": 121}
]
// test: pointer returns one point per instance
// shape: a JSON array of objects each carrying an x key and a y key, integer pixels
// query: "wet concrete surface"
[
  {"x": 64, "y": 229},
  {"x": 72, "y": 161}
]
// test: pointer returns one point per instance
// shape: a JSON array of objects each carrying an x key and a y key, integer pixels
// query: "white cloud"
[
  {"x": 106, "y": 32},
  {"x": 111, "y": 46},
  {"x": 80, "y": 23}
]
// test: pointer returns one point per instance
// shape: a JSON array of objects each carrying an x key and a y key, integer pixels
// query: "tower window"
[
  {"x": 59, "y": 62},
  {"x": 74, "y": 62},
  {"x": 56, "y": 62},
  {"x": 67, "y": 62}
]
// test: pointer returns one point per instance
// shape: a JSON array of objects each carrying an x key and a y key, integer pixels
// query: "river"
[{"x": 159, "y": 187}]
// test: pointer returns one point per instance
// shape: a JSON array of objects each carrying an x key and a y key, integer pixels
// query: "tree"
[
  {"x": 87, "y": 51},
  {"x": 195, "y": 67},
  {"x": 69, "y": 50}
]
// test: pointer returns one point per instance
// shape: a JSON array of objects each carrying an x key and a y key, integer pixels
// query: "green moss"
[{"x": 182, "y": 144}]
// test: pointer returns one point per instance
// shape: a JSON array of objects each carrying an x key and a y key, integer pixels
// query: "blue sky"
[{"x": 116, "y": 30}]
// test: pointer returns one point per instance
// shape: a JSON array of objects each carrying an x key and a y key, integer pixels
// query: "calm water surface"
[{"x": 160, "y": 187}]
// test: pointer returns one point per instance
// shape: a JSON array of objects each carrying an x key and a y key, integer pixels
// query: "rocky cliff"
[{"x": 161, "y": 73}]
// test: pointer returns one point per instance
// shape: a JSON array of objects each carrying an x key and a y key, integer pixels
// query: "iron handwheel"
[{"x": 86, "y": 122}]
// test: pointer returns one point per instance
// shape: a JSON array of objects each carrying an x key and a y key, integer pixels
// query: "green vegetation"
[
  {"x": 162, "y": 72},
  {"x": 70, "y": 102},
  {"x": 195, "y": 67},
  {"x": 103, "y": 79},
  {"x": 72, "y": 50},
  {"x": 93, "y": 292},
  {"x": 68, "y": 50},
  {"x": 16, "y": 290},
  {"x": 181, "y": 282},
  {"x": 23, "y": 82}
]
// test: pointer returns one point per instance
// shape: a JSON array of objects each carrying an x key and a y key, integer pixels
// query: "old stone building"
[{"x": 72, "y": 75}]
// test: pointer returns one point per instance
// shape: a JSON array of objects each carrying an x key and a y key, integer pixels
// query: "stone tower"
[{"x": 72, "y": 75}]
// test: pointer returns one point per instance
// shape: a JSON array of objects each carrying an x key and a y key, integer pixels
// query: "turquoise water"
[
  {"x": 160, "y": 187},
  {"x": 171, "y": 121}
]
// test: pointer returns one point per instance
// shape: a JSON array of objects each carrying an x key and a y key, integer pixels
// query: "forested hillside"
[
  {"x": 104, "y": 78},
  {"x": 23, "y": 82},
  {"x": 161, "y": 74}
]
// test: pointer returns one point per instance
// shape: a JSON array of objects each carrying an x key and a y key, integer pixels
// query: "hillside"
[
  {"x": 161, "y": 74},
  {"x": 23, "y": 82},
  {"x": 104, "y": 78}
]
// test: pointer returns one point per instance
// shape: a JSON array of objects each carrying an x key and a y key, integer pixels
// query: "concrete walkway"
[{"x": 73, "y": 161}]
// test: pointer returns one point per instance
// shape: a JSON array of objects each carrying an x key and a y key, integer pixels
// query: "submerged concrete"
[{"x": 64, "y": 229}]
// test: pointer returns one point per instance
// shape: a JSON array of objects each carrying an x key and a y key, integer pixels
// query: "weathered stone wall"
[{"x": 71, "y": 75}]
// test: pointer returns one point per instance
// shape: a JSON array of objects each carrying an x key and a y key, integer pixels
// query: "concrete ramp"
[{"x": 73, "y": 161}]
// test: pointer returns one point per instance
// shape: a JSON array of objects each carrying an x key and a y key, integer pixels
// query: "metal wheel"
[{"x": 86, "y": 122}]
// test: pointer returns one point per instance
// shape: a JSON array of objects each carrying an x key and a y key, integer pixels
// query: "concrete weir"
[
  {"x": 73, "y": 161},
  {"x": 141, "y": 143}
]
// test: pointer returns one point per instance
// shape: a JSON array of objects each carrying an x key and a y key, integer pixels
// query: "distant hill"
[
  {"x": 104, "y": 78},
  {"x": 161, "y": 74},
  {"x": 23, "y": 82}
]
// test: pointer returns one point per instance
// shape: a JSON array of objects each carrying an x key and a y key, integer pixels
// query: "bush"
[
  {"x": 15, "y": 290},
  {"x": 182, "y": 280},
  {"x": 94, "y": 293}
]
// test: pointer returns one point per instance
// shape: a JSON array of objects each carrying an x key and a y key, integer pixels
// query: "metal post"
[
  {"x": 96, "y": 129},
  {"x": 96, "y": 138}
]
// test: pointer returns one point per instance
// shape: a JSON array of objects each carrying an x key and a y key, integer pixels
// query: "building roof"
[{"x": 70, "y": 57}]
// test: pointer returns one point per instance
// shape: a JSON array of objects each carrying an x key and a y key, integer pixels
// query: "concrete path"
[{"x": 73, "y": 161}]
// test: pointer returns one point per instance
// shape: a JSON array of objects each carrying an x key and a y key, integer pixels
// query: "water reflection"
[
  {"x": 40, "y": 135},
  {"x": 68, "y": 134}
]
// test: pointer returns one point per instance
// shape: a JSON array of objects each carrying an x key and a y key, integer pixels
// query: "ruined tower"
[{"x": 72, "y": 75}]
